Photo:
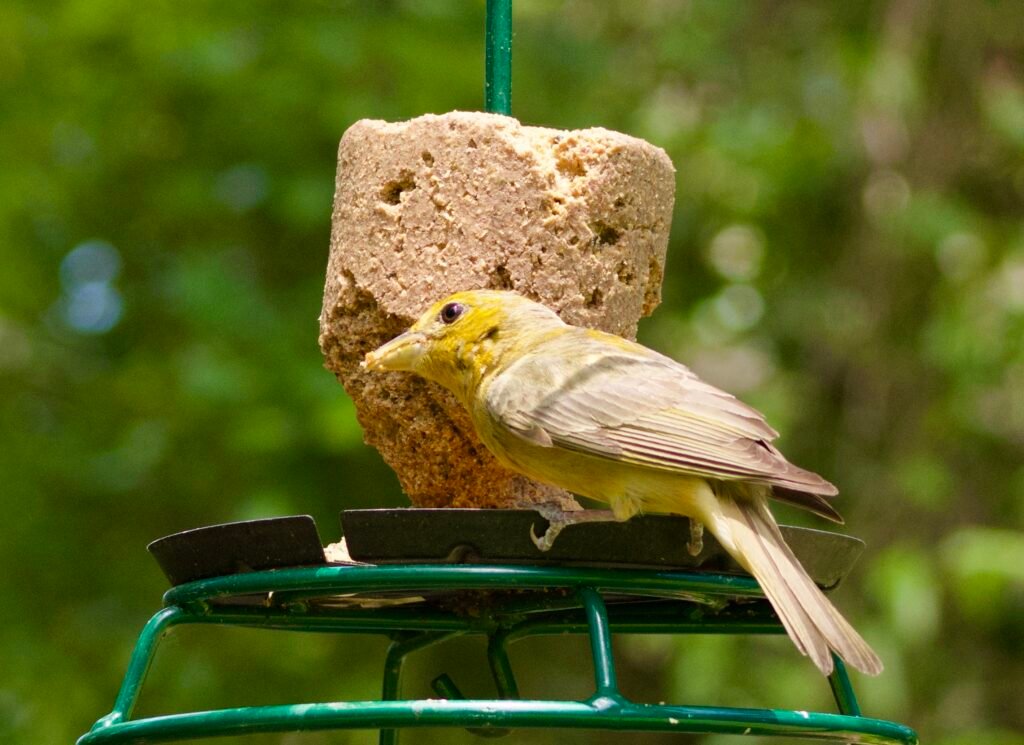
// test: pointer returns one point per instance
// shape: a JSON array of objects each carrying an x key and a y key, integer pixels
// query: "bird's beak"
[{"x": 401, "y": 353}]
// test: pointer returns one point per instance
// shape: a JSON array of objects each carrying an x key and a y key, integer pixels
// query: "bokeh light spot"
[
  {"x": 92, "y": 308},
  {"x": 91, "y": 261},
  {"x": 737, "y": 252},
  {"x": 886, "y": 193},
  {"x": 242, "y": 187},
  {"x": 739, "y": 307},
  {"x": 90, "y": 303},
  {"x": 960, "y": 255}
]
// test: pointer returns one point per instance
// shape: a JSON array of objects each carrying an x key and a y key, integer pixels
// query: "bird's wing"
[{"x": 632, "y": 405}]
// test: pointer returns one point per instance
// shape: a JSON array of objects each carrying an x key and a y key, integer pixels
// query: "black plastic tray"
[
  {"x": 410, "y": 535},
  {"x": 230, "y": 548}
]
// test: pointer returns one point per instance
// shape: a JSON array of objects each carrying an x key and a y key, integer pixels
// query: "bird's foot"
[
  {"x": 696, "y": 542},
  {"x": 558, "y": 519}
]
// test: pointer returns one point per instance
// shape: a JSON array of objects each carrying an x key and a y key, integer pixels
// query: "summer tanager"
[{"x": 615, "y": 421}]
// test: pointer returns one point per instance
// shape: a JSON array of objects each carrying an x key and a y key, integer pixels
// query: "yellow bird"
[{"x": 617, "y": 422}]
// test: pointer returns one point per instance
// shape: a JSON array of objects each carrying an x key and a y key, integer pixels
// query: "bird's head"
[{"x": 462, "y": 338}]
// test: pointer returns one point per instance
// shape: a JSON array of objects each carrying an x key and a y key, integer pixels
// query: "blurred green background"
[{"x": 847, "y": 255}]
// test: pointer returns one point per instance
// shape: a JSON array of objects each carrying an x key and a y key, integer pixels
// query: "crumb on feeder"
[{"x": 578, "y": 220}]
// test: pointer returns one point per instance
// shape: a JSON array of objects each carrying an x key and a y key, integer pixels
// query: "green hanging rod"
[{"x": 498, "y": 58}]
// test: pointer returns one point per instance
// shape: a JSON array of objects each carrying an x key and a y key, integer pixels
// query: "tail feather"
[
  {"x": 805, "y": 500},
  {"x": 833, "y": 625},
  {"x": 748, "y": 531},
  {"x": 776, "y": 579}
]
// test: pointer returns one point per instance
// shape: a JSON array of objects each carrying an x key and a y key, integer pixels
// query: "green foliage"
[{"x": 847, "y": 254}]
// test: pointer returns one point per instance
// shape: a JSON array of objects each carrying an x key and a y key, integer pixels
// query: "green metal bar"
[
  {"x": 659, "y": 617},
  {"x": 352, "y": 621},
  {"x": 396, "y": 655},
  {"x": 501, "y": 667},
  {"x": 138, "y": 666},
  {"x": 346, "y": 579},
  {"x": 393, "y": 662},
  {"x": 667, "y": 617},
  {"x": 842, "y": 689},
  {"x": 498, "y": 58},
  {"x": 600, "y": 647},
  {"x": 445, "y": 687},
  {"x": 495, "y": 713}
]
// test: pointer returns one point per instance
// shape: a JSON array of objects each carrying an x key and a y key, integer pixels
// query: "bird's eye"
[{"x": 451, "y": 312}]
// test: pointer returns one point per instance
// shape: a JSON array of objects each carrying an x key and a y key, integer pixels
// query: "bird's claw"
[
  {"x": 546, "y": 541},
  {"x": 696, "y": 542},
  {"x": 559, "y": 519}
]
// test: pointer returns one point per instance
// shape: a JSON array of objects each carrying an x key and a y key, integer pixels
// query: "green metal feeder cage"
[
  {"x": 417, "y": 604},
  {"x": 439, "y": 574}
]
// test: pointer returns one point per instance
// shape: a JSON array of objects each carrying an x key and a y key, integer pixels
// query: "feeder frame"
[{"x": 563, "y": 600}]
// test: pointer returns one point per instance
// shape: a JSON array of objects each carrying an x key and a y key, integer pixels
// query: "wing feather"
[{"x": 636, "y": 406}]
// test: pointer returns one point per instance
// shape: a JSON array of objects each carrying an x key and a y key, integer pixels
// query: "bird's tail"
[{"x": 747, "y": 530}]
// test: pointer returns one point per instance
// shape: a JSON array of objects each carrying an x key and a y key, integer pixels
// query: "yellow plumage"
[{"x": 614, "y": 421}]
